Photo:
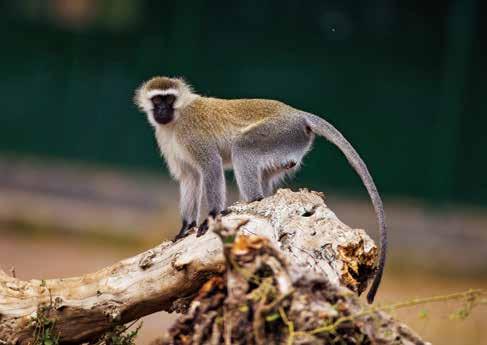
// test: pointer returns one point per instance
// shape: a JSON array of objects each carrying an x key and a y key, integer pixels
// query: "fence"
[{"x": 403, "y": 81}]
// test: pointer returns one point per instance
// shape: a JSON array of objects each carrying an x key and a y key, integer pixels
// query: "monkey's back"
[{"x": 222, "y": 117}]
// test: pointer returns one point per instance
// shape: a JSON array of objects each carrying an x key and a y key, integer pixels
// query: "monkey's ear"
[
  {"x": 139, "y": 98},
  {"x": 183, "y": 84}
]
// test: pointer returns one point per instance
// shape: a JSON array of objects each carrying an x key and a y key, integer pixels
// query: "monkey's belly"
[
  {"x": 227, "y": 164},
  {"x": 226, "y": 159}
]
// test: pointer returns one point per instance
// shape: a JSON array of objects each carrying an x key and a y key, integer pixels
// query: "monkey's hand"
[
  {"x": 203, "y": 228},
  {"x": 185, "y": 229}
]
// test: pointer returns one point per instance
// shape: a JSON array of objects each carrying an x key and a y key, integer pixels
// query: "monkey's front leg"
[
  {"x": 190, "y": 200},
  {"x": 214, "y": 184}
]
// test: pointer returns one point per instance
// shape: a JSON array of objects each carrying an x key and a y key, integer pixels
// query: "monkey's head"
[{"x": 161, "y": 98}]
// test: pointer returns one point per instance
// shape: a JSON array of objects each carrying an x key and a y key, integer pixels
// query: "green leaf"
[
  {"x": 272, "y": 317},
  {"x": 229, "y": 239},
  {"x": 423, "y": 314}
]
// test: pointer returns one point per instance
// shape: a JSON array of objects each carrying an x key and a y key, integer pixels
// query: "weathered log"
[
  {"x": 257, "y": 302},
  {"x": 299, "y": 224}
]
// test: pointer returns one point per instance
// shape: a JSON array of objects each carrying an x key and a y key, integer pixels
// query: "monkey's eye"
[
  {"x": 170, "y": 99},
  {"x": 157, "y": 100}
]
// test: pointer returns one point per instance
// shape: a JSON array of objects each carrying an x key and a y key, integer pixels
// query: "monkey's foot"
[
  {"x": 225, "y": 212},
  {"x": 203, "y": 228},
  {"x": 180, "y": 235},
  {"x": 185, "y": 230}
]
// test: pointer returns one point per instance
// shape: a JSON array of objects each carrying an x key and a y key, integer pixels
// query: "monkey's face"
[{"x": 163, "y": 108}]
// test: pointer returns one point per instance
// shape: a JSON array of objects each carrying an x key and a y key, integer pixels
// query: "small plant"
[
  {"x": 471, "y": 299},
  {"x": 44, "y": 328},
  {"x": 120, "y": 335},
  {"x": 44, "y": 331}
]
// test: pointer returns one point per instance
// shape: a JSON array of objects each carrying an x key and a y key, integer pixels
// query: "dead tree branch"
[
  {"x": 257, "y": 303},
  {"x": 307, "y": 234}
]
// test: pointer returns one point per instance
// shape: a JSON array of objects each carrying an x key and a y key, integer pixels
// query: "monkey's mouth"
[{"x": 163, "y": 119}]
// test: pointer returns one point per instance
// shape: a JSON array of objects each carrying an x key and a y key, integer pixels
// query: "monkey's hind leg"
[
  {"x": 247, "y": 173},
  {"x": 263, "y": 155},
  {"x": 269, "y": 179},
  {"x": 274, "y": 176}
]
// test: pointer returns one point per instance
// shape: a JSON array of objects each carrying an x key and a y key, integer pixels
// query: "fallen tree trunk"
[
  {"x": 257, "y": 302},
  {"x": 308, "y": 235}
]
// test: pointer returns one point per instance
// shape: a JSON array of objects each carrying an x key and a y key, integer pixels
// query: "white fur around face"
[
  {"x": 175, "y": 154},
  {"x": 143, "y": 101},
  {"x": 153, "y": 93},
  {"x": 184, "y": 97}
]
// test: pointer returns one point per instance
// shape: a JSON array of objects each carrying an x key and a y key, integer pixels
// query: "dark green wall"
[{"x": 403, "y": 80}]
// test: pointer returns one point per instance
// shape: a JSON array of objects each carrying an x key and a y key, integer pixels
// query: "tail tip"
[{"x": 371, "y": 294}]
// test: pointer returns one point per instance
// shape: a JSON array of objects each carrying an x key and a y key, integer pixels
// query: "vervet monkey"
[{"x": 262, "y": 140}]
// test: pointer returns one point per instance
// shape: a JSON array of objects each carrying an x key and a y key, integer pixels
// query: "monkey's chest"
[{"x": 174, "y": 153}]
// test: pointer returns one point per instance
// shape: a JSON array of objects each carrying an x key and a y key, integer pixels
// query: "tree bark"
[{"x": 307, "y": 234}]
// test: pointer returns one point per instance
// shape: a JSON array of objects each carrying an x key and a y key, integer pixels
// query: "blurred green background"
[
  {"x": 82, "y": 184},
  {"x": 403, "y": 80}
]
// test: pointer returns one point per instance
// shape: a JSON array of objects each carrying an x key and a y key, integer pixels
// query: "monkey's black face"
[{"x": 163, "y": 108}]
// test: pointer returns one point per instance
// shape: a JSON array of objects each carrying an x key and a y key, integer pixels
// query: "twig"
[
  {"x": 468, "y": 295},
  {"x": 289, "y": 324}
]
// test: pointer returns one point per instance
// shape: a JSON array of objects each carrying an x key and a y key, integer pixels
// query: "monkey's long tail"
[{"x": 325, "y": 129}]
